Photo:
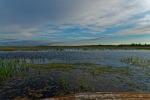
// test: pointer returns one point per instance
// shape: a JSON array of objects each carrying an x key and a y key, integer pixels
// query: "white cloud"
[{"x": 96, "y": 15}]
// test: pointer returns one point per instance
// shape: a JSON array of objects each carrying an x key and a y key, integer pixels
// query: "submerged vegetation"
[
  {"x": 52, "y": 66},
  {"x": 103, "y": 70},
  {"x": 10, "y": 67},
  {"x": 93, "y": 68}
]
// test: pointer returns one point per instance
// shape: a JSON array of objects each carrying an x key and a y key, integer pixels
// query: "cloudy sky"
[{"x": 74, "y": 22}]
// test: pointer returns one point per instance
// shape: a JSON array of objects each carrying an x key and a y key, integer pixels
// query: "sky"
[{"x": 74, "y": 22}]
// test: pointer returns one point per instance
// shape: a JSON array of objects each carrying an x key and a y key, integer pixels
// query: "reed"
[
  {"x": 136, "y": 61},
  {"x": 9, "y": 67}
]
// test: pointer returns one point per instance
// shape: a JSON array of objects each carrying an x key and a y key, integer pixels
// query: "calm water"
[
  {"x": 102, "y": 57},
  {"x": 57, "y": 82}
]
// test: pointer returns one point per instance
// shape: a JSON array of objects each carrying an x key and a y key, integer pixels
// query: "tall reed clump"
[
  {"x": 136, "y": 61},
  {"x": 9, "y": 67}
]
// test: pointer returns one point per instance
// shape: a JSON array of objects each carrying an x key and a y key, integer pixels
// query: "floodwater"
[{"x": 54, "y": 82}]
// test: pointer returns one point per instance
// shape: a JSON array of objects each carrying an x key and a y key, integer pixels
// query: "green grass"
[
  {"x": 63, "y": 83},
  {"x": 83, "y": 86},
  {"x": 10, "y": 67}
]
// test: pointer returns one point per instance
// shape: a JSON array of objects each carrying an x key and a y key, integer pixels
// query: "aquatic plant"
[
  {"x": 63, "y": 84},
  {"x": 136, "y": 61},
  {"x": 83, "y": 85},
  {"x": 9, "y": 67},
  {"x": 114, "y": 70},
  {"x": 52, "y": 66}
]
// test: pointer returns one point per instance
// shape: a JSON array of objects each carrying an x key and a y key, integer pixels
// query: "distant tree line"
[{"x": 135, "y": 44}]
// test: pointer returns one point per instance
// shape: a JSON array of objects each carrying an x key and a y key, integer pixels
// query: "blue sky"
[{"x": 74, "y": 22}]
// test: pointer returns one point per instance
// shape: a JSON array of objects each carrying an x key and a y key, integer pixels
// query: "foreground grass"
[{"x": 9, "y": 68}]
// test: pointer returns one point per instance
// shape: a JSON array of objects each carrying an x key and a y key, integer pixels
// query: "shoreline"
[{"x": 93, "y": 47}]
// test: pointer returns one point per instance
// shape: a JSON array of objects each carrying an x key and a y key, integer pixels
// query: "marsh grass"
[
  {"x": 63, "y": 83},
  {"x": 110, "y": 70},
  {"x": 83, "y": 86},
  {"x": 50, "y": 66},
  {"x": 136, "y": 61},
  {"x": 92, "y": 68},
  {"x": 10, "y": 67}
]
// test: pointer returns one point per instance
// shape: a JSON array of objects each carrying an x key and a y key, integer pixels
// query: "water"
[
  {"x": 102, "y": 57},
  {"x": 60, "y": 82}
]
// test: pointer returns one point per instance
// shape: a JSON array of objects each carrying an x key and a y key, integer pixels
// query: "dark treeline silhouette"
[
  {"x": 100, "y": 46},
  {"x": 135, "y": 44}
]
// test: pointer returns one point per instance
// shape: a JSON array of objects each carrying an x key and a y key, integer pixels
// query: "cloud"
[{"x": 66, "y": 20}]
